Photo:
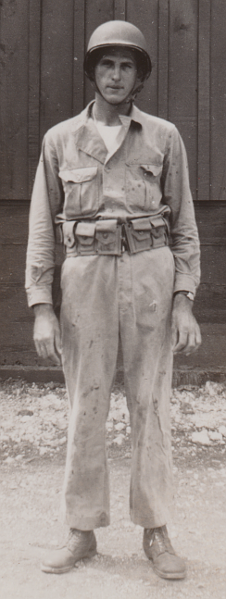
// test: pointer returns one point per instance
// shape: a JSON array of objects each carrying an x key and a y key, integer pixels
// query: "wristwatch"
[{"x": 189, "y": 294}]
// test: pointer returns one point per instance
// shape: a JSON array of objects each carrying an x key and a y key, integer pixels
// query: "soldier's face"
[{"x": 116, "y": 75}]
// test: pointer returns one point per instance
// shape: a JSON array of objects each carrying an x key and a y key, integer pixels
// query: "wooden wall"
[{"x": 41, "y": 82}]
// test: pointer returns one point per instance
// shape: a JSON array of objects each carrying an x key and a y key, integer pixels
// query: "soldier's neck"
[{"x": 108, "y": 114}]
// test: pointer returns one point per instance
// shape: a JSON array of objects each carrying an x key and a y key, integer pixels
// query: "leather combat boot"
[
  {"x": 159, "y": 550},
  {"x": 80, "y": 544}
]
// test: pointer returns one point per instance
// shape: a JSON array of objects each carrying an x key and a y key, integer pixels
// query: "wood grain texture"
[
  {"x": 163, "y": 58},
  {"x": 146, "y": 18},
  {"x": 34, "y": 63},
  {"x": 56, "y": 63},
  {"x": 13, "y": 99},
  {"x": 218, "y": 99},
  {"x": 203, "y": 163},
  {"x": 78, "y": 56},
  {"x": 183, "y": 77},
  {"x": 120, "y": 10}
]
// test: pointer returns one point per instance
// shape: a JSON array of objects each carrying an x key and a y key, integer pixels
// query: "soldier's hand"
[
  {"x": 47, "y": 333},
  {"x": 186, "y": 336}
]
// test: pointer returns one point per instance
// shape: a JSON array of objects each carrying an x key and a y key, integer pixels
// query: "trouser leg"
[
  {"x": 89, "y": 320},
  {"x": 146, "y": 288}
]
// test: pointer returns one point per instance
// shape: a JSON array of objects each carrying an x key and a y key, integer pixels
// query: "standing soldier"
[{"x": 114, "y": 181}]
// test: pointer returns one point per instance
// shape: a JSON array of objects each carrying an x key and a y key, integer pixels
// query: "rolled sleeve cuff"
[
  {"x": 43, "y": 295},
  {"x": 184, "y": 283}
]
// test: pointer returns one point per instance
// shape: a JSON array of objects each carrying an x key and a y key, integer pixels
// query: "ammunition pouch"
[{"x": 111, "y": 237}]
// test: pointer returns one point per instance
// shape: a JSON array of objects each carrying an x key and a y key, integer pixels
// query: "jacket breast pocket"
[
  {"x": 143, "y": 186},
  {"x": 81, "y": 191}
]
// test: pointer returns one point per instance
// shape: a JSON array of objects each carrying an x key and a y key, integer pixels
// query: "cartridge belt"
[{"x": 112, "y": 237}]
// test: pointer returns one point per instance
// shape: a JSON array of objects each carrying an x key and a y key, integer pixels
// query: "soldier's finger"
[{"x": 182, "y": 342}]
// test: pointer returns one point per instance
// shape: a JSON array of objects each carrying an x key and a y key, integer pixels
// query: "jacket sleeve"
[
  {"x": 183, "y": 229},
  {"x": 47, "y": 198}
]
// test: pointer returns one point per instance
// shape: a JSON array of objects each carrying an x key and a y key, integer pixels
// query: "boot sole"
[
  {"x": 64, "y": 569},
  {"x": 169, "y": 575}
]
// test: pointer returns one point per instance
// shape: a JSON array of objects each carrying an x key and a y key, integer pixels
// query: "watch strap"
[{"x": 188, "y": 294}]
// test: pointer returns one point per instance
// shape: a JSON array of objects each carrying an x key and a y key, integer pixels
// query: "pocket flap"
[
  {"x": 86, "y": 229},
  {"x": 141, "y": 224},
  {"x": 78, "y": 175},
  {"x": 157, "y": 221},
  {"x": 152, "y": 169},
  {"x": 106, "y": 226}
]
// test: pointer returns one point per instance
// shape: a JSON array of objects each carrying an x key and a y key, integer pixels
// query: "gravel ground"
[
  {"x": 33, "y": 433},
  {"x": 34, "y": 419}
]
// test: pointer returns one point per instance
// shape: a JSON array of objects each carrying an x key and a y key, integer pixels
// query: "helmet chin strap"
[{"x": 132, "y": 96}]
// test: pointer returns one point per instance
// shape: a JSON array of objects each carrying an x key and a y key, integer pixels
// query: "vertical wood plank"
[
  {"x": 120, "y": 10},
  {"x": 218, "y": 96},
  {"x": 56, "y": 63},
  {"x": 34, "y": 88},
  {"x": 163, "y": 58},
  {"x": 78, "y": 56},
  {"x": 146, "y": 18},
  {"x": 203, "y": 183},
  {"x": 14, "y": 98},
  {"x": 183, "y": 77},
  {"x": 97, "y": 13}
]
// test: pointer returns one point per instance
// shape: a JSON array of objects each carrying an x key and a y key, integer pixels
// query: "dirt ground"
[{"x": 30, "y": 492}]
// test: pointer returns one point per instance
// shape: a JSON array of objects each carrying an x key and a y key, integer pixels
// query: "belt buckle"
[
  {"x": 124, "y": 240},
  {"x": 124, "y": 247}
]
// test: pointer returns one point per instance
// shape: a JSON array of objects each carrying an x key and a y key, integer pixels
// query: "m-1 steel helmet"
[{"x": 119, "y": 34}]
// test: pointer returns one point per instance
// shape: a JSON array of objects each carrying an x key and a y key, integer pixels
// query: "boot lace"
[{"x": 160, "y": 537}]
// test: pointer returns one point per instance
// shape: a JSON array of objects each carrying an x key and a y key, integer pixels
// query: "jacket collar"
[{"x": 87, "y": 137}]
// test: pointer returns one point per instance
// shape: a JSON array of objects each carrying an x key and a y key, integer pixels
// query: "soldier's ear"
[{"x": 140, "y": 74}]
